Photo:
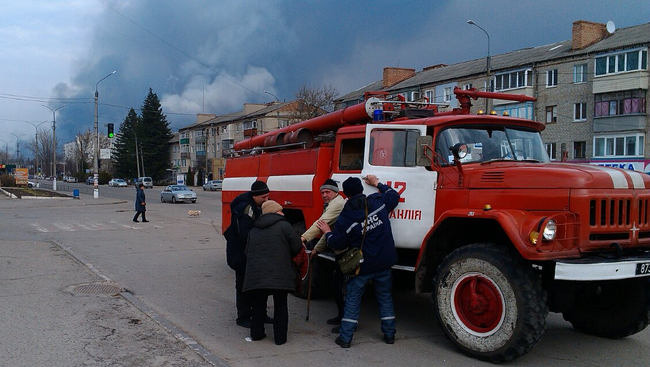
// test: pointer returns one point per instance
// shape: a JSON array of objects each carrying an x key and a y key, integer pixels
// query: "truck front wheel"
[
  {"x": 611, "y": 309},
  {"x": 490, "y": 302}
]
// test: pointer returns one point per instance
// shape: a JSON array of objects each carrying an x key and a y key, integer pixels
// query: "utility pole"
[
  {"x": 53, "y": 143},
  {"x": 96, "y": 160},
  {"x": 488, "y": 84}
]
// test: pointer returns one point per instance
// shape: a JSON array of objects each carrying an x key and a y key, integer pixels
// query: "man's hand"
[
  {"x": 323, "y": 226},
  {"x": 371, "y": 180},
  {"x": 313, "y": 254}
]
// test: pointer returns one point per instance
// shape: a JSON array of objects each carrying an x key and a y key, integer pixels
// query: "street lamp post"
[
  {"x": 53, "y": 143},
  {"x": 6, "y": 151},
  {"x": 271, "y": 94},
  {"x": 17, "y": 147},
  {"x": 487, "y": 86},
  {"x": 36, "y": 148},
  {"x": 96, "y": 160}
]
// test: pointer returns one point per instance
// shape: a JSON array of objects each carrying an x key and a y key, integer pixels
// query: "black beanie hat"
[
  {"x": 330, "y": 185},
  {"x": 352, "y": 186},
  {"x": 259, "y": 188}
]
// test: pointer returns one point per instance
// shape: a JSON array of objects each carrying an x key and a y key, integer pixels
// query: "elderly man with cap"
[
  {"x": 272, "y": 243},
  {"x": 244, "y": 210},
  {"x": 332, "y": 205},
  {"x": 364, "y": 223}
]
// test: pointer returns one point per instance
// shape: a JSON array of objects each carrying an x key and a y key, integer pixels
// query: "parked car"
[
  {"x": 117, "y": 182},
  {"x": 177, "y": 193},
  {"x": 212, "y": 185},
  {"x": 31, "y": 184},
  {"x": 146, "y": 181},
  {"x": 69, "y": 179},
  {"x": 90, "y": 180}
]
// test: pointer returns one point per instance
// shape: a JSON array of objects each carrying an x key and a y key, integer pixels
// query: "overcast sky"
[{"x": 211, "y": 56}]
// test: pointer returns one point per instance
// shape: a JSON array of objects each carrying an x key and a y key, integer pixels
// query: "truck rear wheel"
[
  {"x": 490, "y": 302},
  {"x": 611, "y": 309}
]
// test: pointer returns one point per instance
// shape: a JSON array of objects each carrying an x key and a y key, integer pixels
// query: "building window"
[
  {"x": 184, "y": 135},
  {"x": 579, "y": 111},
  {"x": 580, "y": 73},
  {"x": 551, "y": 78},
  {"x": 429, "y": 95},
  {"x": 619, "y": 103},
  {"x": 579, "y": 149},
  {"x": 551, "y": 114},
  {"x": 512, "y": 80},
  {"x": 619, "y": 146},
  {"x": 467, "y": 86},
  {"x": 621, "y": 62},
  {"x": 521, "y": 110},
  {"x": 447, "y": 94},
  {"x": 250, "y": 124},
  {"x": 185, "y": 148},
  {"x": 224, "y": 129},
  {"x": 551, "y": 150}
]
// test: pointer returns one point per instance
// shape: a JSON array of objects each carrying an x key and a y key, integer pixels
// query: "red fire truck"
[{"x": 495, "y": 231}]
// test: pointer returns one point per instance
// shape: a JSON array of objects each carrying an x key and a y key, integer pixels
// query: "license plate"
[{"x": 643, "y": 268}]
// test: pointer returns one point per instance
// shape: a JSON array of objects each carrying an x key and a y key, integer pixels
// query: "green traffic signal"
[{"x": 111, "y": 134}]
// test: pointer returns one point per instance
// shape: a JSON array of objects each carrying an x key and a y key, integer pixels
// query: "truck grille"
[{"x": 618, "y": 219}]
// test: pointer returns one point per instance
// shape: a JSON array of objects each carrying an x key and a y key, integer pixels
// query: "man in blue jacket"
[{"x": 378, "y": 248}]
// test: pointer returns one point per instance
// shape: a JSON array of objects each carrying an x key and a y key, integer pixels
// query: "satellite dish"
[{"x": 610, "y": 27}]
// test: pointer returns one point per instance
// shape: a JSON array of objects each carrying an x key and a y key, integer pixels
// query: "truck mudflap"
[{"x": 596, "y": 268}]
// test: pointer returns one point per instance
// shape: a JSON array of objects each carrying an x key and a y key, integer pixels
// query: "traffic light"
[{"x": 111, "y": 134}]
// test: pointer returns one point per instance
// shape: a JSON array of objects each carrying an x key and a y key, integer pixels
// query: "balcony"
[
  {"x": 186, "y": 155},
  {"x": 185, "y": 141},
  {"x": 250, "y": 132},
  {"x": 200, "y": 153},
  {"x": 199, "y": 139}
]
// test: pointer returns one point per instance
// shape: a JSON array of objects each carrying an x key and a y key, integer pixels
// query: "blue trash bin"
[{"x": 75, "y": 193}]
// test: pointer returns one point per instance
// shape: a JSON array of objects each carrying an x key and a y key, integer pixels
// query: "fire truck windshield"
[{"x": 490, "y": 144}]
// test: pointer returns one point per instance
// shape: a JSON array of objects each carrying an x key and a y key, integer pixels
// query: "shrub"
[{"x": 7, "y": 181}]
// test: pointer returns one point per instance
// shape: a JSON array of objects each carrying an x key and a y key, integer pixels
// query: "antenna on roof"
[{"x": 610, "y": 27}]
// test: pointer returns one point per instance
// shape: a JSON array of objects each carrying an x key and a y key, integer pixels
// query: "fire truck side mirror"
[
  {"x": 459, "y": 151},
  {"x": 424, "y": 146}
]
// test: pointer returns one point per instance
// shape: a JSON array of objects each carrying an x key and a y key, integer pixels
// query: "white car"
[
  {"x": 213, "y": 185},
  {"x": 117, "y": 182},
  {"x": 177, "y": 193}
]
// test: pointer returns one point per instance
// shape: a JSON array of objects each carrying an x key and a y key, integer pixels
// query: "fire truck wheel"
[
  {"x": 611, "y": 309},
  {"x": 489, "y": 302}
]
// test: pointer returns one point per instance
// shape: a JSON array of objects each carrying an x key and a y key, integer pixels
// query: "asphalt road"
[{"x": 174, "y": 270}]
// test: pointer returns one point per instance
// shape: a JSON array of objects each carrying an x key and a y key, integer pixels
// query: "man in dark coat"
[
  {"x": 140, "y": 204},
  {"x": 377, "y": 246},
  {"x": 272, "y": 243},
  {"x": 244, "y": 210}
]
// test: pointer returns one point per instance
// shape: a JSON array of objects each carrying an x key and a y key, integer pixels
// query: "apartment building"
[
  {"x": 591, "y": 90},
  {"x": 203, "y": 145}
]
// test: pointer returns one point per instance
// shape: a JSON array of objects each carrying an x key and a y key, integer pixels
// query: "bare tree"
[{"x": 313, "y": 102}]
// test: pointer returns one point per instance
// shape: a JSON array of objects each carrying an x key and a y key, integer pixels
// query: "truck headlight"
[{"x": 550, "y": 230}]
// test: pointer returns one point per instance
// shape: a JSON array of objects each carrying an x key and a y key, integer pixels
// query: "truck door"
[{"x": 390, "y": 154}]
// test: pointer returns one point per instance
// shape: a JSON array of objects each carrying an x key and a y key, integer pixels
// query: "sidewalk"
[{"x": 56, "y": 312}]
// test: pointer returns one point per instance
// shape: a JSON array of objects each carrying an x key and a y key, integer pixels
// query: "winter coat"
[
  {"x": 243, "y": 213},
  {"x": 379, "y": 246},
  {"x": 140, "y": 198},
  {"x": 271, "y": 245}
]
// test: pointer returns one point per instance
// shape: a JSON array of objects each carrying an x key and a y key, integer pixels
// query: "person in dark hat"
[
  {"x": 364, "y": 223},
  {"x": 332, "y": 205},
  {"x": 244, "y": 210},
  {"x": 140, "y": 203}
]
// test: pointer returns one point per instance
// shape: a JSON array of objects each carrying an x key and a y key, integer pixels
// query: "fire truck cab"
[{"x": 495, "y": 231}]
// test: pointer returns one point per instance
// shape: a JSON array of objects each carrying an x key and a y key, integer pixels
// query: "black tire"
[
  {"x": 173, "y": 199},
  {"x": 162, "y": 200},
  {"x": 193, "y": 201},
  {"x": 490, "y": 303},
  {"x": 611, "y": 309}
]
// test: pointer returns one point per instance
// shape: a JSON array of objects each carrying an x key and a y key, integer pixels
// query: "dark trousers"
[
  {"x": 137, "y": 214},
  {"x": 280, "y": 314},
  {"x": 243, "y": 299}
]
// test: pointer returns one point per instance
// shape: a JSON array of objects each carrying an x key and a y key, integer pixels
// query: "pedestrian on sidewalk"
[{"x": 140, "y": 203}]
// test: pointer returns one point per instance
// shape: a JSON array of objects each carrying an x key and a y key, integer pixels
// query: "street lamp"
[
  {"x": 96, "y": 160},
  {"x": 488, "y": 88},
  {"x": 53, "y": 143},
  {"x": 17, "y": 147},
  {"x": 36, "y": 156},
  {"x": 271, "y": 94}
]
